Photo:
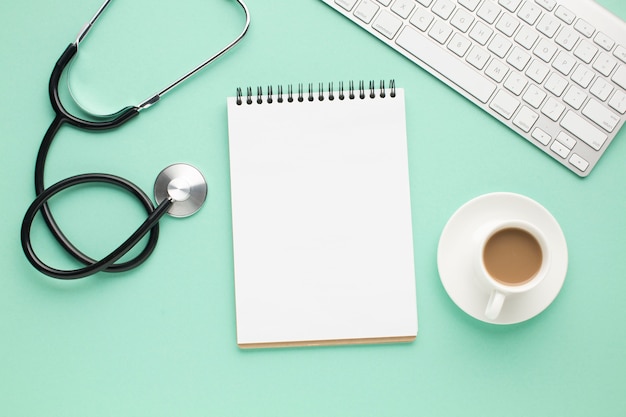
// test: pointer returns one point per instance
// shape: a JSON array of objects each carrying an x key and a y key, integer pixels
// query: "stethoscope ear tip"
[{"x": 184, "y": 185}]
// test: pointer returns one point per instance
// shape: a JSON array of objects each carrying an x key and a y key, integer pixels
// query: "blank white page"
[{"x": 322, "y": 236}]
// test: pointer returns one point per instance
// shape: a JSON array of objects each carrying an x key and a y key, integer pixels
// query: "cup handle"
[{"x": 494, "y": 306}]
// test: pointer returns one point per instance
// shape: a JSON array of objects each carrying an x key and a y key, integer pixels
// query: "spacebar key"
[{"x": 445, "y": 64}]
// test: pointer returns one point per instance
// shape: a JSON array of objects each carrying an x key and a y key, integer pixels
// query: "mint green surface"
[{"x": 160, "y": 340}]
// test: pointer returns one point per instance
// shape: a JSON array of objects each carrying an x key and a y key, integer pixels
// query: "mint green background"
[{"x": 160, "y": 340}]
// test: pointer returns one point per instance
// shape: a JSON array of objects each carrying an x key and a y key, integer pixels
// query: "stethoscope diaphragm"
[{"x": 184, "y": 185}]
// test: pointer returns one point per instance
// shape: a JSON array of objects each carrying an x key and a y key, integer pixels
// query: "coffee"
[{"x": 512, "y": 256}]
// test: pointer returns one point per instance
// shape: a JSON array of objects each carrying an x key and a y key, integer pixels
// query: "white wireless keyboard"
[{"x": 554, "y": 72}]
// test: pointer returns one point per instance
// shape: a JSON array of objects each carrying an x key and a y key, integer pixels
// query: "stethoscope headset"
[{"x": 180, "y": 189}]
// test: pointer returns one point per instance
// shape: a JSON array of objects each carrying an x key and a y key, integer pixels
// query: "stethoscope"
[{"x": 180, "y": 189}]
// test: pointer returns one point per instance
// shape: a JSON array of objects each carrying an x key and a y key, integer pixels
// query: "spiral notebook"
[{"x": 321, "y": 212}]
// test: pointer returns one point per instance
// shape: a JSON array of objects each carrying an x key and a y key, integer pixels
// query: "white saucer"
[{"x": 455, "y": 265}]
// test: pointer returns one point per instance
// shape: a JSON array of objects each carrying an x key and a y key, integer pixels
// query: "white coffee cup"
[{"x": 512, "y": 257}]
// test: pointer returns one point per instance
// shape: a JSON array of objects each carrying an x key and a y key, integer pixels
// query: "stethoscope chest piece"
[{"x": 184, "y": 185}]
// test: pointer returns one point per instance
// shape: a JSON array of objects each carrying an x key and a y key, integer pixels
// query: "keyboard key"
[
  {"x": 499, "y": 45},
  {"x": 384, "y": 2},
  {"x": 496, "y": 70},
  {"x": 583, "y": 130},
  {"x": 510, "y": 5},
  {"x": 604, "y": 41},
  {"x": 620, "y": 77},
  {"x": 559, "y": 149},
  {"x": 604, "y": 64},
  {"x": 421, "y": 19},
  {"x": 478, "y": 57},
  {"x": 534, "y": 96},
  {"x": 481, "y": 33},
  {"x": 618, "y": 101},
  {"x": 525, "y": 119},
  {"x": 620, "y": 52},
  {"x": 575, "y": 97},
  {"x": 443, "y": 8},
  {"x": 553, "y": 109},
  {"x": 546, "y": 4},
  {"x": 459, "y": 44},
  {"x": 556, "y": 84},
  {"x": 507, "y": 24},
  {"x": 582, "y": 76},
  {"x": 548, "y": 25},
  {"x": 537, "y": 71},
  {"x": 445, "y": 64},
  {"x": 577, "y": 161},
  {"x": 488, "y": 12},
  {"x": 601, "y": 89},
  {"x": 564, "y": 63},
  {"x": 515, "y": 83},
  {"x": 346, "y": 4},
  {"x": 440, "y": 32},
  {"x": 545, "y": 50},
  {"x": 585, "y": 51},
  {"x": 566, "y": 140},
  {"x": 565, "y": 14},
  {"x": 505, "y": 104},
  {"x": 602, "y": 116},
  {"x": 541, "y": 136},
  {"x": 529, "y": 12},
  {"x": 366, "y": 10},
  {"x": 403, "y": 8},
  {"x": 567, "y": 38},
  {"x": 425, "y": 3},
  {"x": 387, "y": 24},
  {"x": 518, "y": 58},
  {"x": 526, "y": 37},
  {"x": 469, "y": 4},
  {"x": 584, "y": 27},
  {"x": 462, "y": 20}
]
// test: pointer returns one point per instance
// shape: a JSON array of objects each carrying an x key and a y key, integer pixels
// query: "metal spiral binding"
[{"x": 311, "y": 95}]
